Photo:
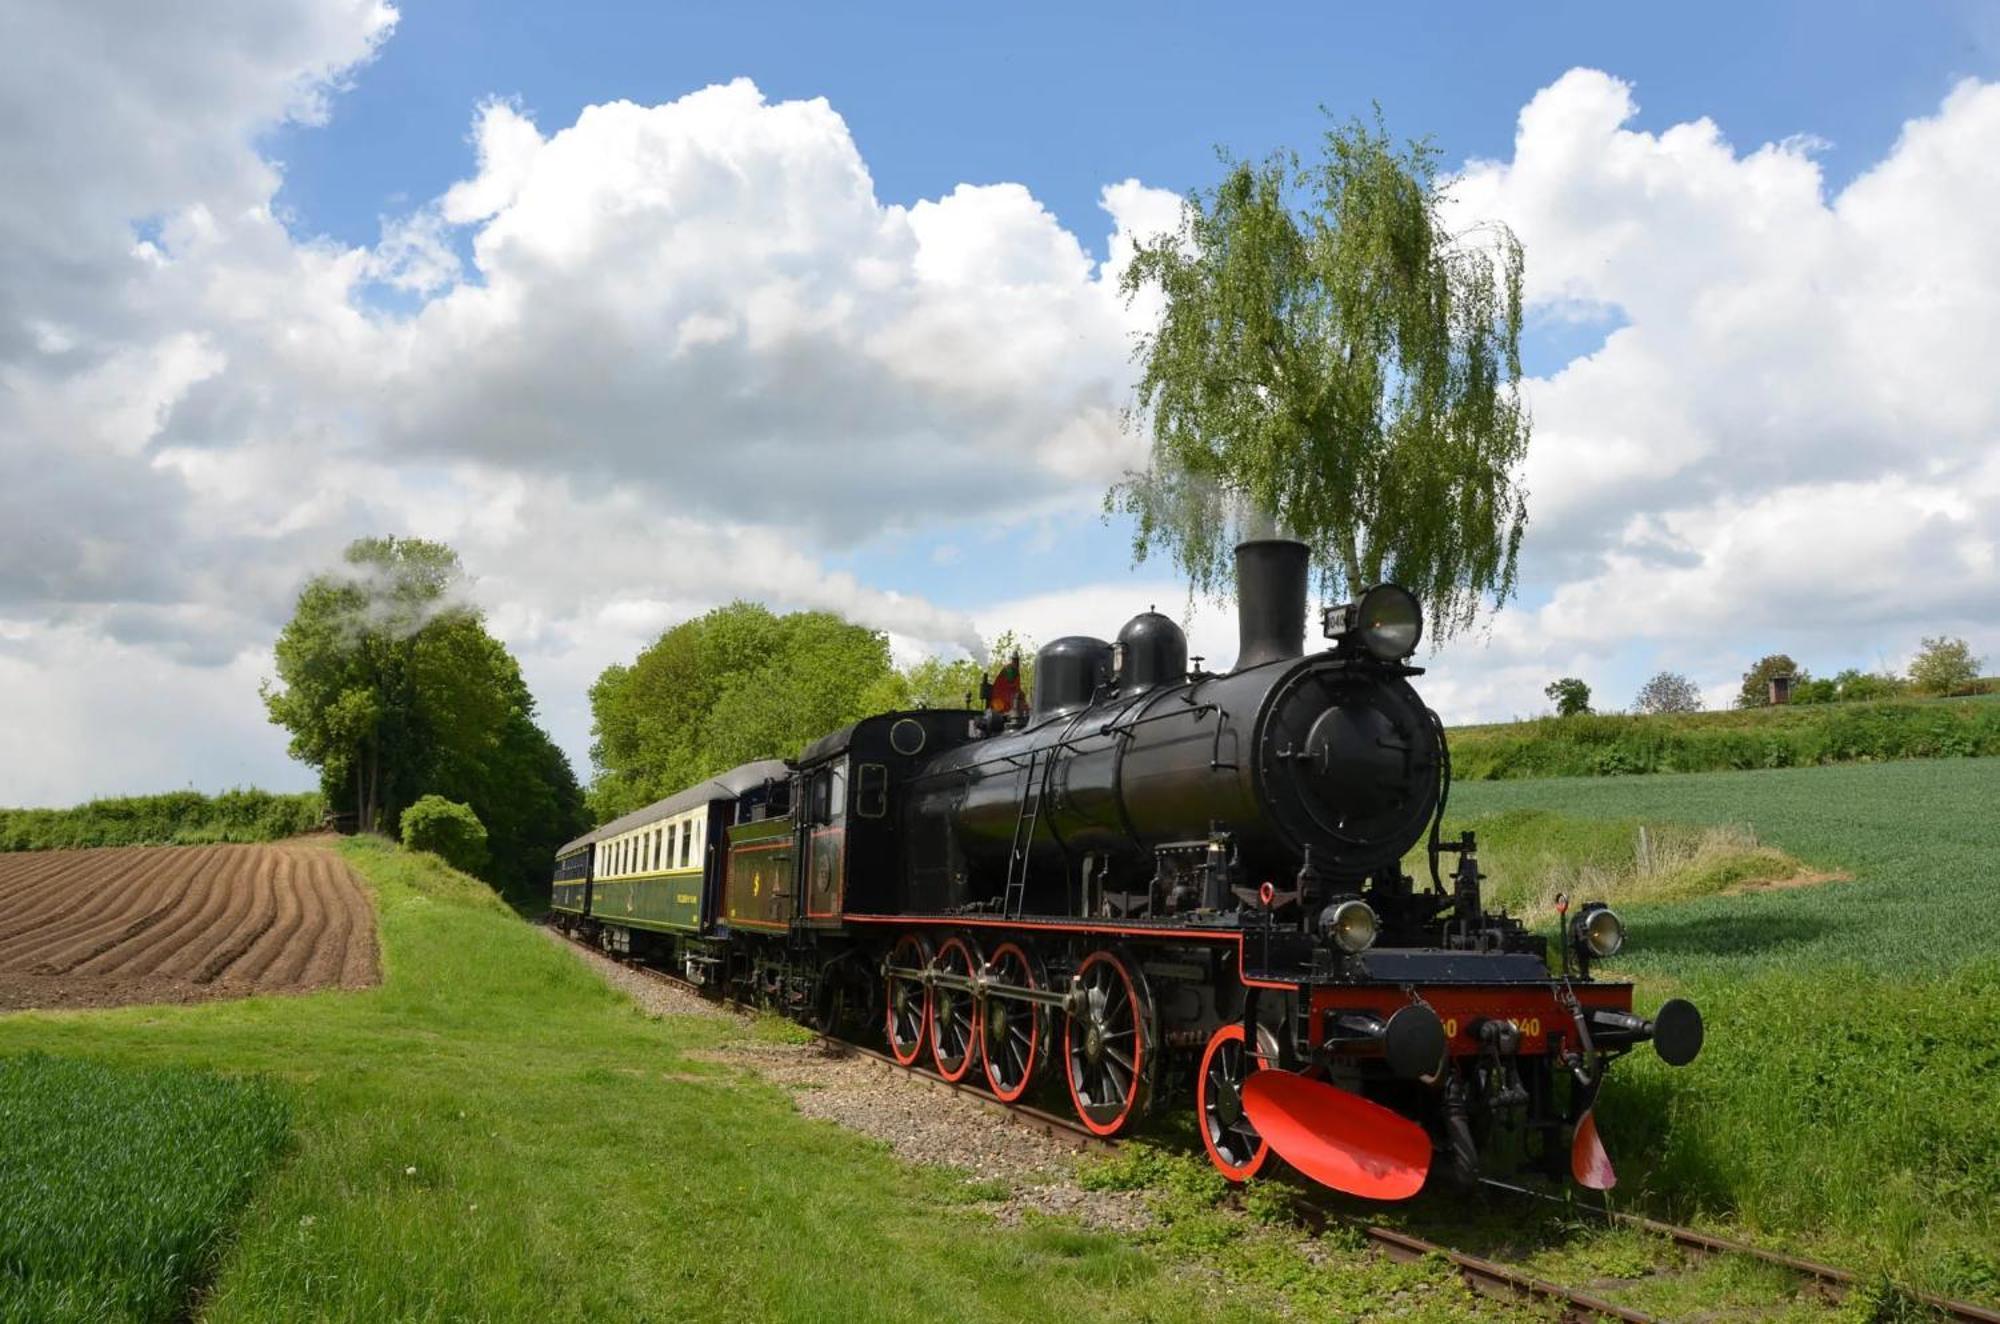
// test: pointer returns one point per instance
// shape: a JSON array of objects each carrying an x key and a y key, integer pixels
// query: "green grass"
[
  {"x": 1790, "y": 736},
  {"x": 180, "y": 818},
  {"x": 1848, "y": 1099},
  {"x": 1530, "y": 858},
  {"x": 118, "y": 1186},
  {"x": 493, "y": 1134}
]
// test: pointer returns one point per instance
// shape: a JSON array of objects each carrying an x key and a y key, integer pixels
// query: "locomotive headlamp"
[
  {"x": 1351, "y": 925},
  {"x": 1598, "y": 932},
  {"x": 1387, "y": 621}
]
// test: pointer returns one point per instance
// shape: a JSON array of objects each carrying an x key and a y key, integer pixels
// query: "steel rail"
[{"x": 1841, "y": 1280}]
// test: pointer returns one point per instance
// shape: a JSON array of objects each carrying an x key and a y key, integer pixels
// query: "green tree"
[
  {"x": 1332, "y": 361},
  {"x": 737, "y": 684},
  {"x": 448, "y": 830},
  {"x": 936, "y": 682},
  {"x": 1944, "y": 666},
  {"x": 1756, "y": 691},
  {"x": 1668, "y": 692},
  {"x": 1570, "y": 696},
  {"x": 391, "y": 686}
]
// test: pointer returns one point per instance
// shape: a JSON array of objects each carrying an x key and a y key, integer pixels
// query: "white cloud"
[
  {"x": 1793, "y": 436},
  {"x": 695, "y": 353}
]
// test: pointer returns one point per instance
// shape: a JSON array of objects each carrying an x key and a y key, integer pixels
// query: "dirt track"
[{"x": 97, "y": 928}]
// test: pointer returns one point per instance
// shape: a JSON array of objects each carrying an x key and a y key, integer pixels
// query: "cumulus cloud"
[
  {"x": 1790, "y": 438},
  {"x": 694, "y": 356},
  {"x": 706, "y": 302}
]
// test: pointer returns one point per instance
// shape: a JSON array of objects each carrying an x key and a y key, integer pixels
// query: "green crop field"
[
  {"x": 1848, "y": 1100},
  {"x": 119, "y": 1185}
]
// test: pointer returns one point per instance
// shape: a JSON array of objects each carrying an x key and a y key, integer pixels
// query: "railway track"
[{"x": 1488, "y": 1277}]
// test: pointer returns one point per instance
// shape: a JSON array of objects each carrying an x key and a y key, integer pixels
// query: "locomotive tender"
[{"x": 1157, "y": 883}]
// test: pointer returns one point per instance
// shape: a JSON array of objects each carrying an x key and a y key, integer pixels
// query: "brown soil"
[{"x": 115, "y": 925}]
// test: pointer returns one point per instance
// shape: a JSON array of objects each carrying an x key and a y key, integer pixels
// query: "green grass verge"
[
  {"x": 179, "y": 818},
  {"x": 118, "y": 1186},
  {"x": 1848, "y": 1099},
  {"x": 1792, "y": 736},
  {"x": 493, "y": 1134}
]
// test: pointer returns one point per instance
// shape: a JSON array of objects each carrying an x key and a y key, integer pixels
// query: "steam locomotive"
[{"x": 1155, "y": 883}]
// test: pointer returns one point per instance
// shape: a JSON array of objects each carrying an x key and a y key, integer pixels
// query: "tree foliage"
[
  {"x": 743, "y": 683},
  {"x": 1756, "y": 691},
  {"x": 391, "y": 686},
  {"x": 1668, "y": 692},
  {"x": 446, "y": 829},
  {"x": 1334, "y": 363},
  {"x": 737, "y": 684},
  {"x": 1570, "y": 696},
  {"x": 1944, "y": 666},
  {"x": 1849, "y": 686}
]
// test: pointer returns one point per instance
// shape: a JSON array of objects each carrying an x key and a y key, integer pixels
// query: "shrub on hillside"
[
  {"x": 1570, "y": 696},
  {"x": 1668, "y": 692},
  {"x": 1944, "y": 666},
  {"x": 1595, "y": 746},
  {"x": 448, "y": 830}
]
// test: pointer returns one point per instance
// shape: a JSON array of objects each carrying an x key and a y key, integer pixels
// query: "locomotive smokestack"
[{"x": 1270, "y": 600}]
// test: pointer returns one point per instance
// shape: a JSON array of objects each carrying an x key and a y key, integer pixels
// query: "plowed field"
[{"x": 96, "y": 928}]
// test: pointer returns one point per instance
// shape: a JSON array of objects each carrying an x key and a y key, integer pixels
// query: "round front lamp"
[
  {"x": 1389, "y": 622},
  {"x": 1351, "y": 925},
  {"x": 1599, "y": 932}
]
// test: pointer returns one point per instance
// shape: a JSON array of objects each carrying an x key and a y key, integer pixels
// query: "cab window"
[{"x": 871, "y": 790}]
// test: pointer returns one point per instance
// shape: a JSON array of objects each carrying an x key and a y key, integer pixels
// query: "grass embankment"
[
  {"x": 1804, "y": 735},
  {"x": 178, "y": 818},
  {"x": 120, "y": 1184},
  {"x": 495, "y": 1134},
  {"x": 1848, "y": 1099}
]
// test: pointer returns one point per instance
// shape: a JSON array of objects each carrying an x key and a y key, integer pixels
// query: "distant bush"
[
  {"x": 448, "y": 830},
  {"x": 1668, "y": 692},
  {"x": 177, "y": 818},
  {"x": 1570, "y": 696},
  {"x": 1945, "y": 666},
  {"x": 1594, "y": 746}
]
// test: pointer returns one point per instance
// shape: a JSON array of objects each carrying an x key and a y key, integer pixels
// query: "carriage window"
[
  {"x": 871, "y": 790},
  {"x": 687, "y": 843}
]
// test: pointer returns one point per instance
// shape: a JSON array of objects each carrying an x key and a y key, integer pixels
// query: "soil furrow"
[
  {"x": 257, "y": 908},
  {"x": 290, "y": 967},
  {"x": 256, "y": 962},
  {"x": 120, "y": 897},
  {"x": 94, "y": 928},
  {"x": 165, "y": 947}
]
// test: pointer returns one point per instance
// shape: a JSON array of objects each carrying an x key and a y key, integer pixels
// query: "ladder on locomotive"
[{"x": 1026, "y": 818}]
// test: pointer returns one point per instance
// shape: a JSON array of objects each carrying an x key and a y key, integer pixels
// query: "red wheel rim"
[
  {"x": 909, "y": 1012},
  {"x": 1007, "y": 1049},
  {"x": 954, "y": 1042},
  {"x": 1104, "y": 1046},
  {"x": 1233, "y": 1145}
]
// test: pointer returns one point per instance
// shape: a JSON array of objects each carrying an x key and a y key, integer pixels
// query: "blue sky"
[
  {"x": 278, "y": 273},
  {"x": 1065, "y": 98}
]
